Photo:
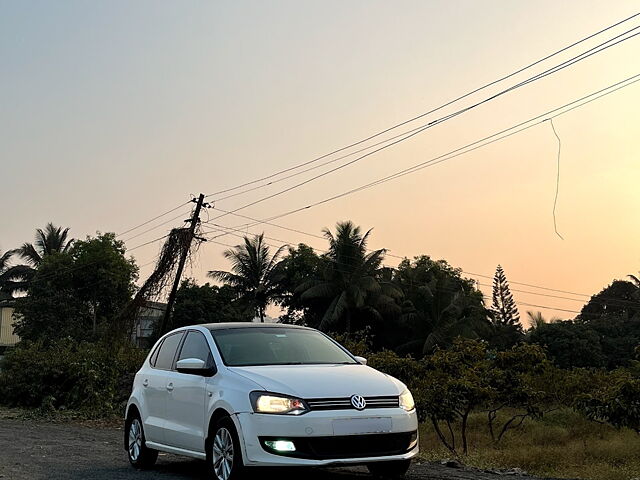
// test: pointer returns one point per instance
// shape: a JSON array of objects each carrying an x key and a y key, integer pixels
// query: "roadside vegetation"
[
  {"x": 561, "y": 444},
  {"x": 560, "y": 397}
]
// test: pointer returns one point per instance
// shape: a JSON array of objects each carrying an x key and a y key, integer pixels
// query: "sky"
[{"x": 112, "y": 113}]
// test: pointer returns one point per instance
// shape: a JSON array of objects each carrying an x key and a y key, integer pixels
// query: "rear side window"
[
  {"x": 196, "y": 346},
  {"x": 167, "y": 351},
  {"x": 154, "y": 355}
]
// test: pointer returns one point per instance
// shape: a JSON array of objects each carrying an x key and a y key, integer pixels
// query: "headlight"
[
  {"x": 278, "y": 404},
  {"x": 406, "y": 401}
]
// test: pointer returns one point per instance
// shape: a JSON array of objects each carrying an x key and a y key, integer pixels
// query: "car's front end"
[
  {"x": 338, "y": 414},
  {"x": 331, "y": 431}
]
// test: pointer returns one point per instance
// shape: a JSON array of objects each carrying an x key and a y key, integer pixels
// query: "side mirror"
[
  {"x": 194, "y": 366},
  {"x": 361, "y": 360}
]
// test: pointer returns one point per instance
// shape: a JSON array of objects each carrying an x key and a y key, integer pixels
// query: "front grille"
[
  {"x": 348, "y": 446},
  {"x": 345, "y": 403}
]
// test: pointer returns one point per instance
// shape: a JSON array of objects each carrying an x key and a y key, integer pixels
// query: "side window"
[
  {"x": 196, "y": 346},
  {"x": 167, "y": 351},
  {"x": 154, "y": 355}
]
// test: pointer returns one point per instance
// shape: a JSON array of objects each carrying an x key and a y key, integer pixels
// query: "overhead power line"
[
  {"x": 584, "y": 55},
  {"x": 154, "y": 218},
  {"x": 417, "y": 117},
  {"x": 556, "y": 112},
  {"x": 172, "y": 219}
]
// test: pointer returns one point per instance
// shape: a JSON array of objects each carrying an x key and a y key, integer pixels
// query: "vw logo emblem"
[{"x": 358, "y": 402}]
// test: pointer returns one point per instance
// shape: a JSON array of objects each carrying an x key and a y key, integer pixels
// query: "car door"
[
  {"x": 154, "y": 385},
  {"x": 186, "y": 401}
]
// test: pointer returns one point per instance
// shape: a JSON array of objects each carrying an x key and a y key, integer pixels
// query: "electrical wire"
[
  {"x": 536, "y": 77},
  {"x": 154, "y": 218},
  {"x": 462, "y": 150},
  {"x": 461, "y": 97},
  {"x": 182, "y": 215}
]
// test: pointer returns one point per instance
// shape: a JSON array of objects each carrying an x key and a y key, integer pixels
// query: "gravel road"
[{"x": 31, "y": 450}]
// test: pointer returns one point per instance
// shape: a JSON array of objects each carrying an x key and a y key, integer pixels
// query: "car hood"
[{"x": 322, "y": 381}]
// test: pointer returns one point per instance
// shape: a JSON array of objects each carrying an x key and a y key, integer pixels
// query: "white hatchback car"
[{"x": 243, "y": 394}]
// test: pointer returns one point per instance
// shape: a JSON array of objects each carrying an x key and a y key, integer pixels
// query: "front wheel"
[
  {"x": 139, "y": 454},
  {"x": 393, "y": 469},
  {"x": 224, "y": 457}
]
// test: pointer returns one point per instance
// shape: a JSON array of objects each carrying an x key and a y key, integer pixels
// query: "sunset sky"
[{"x": 114, "y": 112}]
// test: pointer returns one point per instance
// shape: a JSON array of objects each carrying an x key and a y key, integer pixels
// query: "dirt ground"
[{"x": 33, "y": 450}]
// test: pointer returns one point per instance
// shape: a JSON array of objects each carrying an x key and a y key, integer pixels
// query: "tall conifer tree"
[{"x": 504, "y": 306}]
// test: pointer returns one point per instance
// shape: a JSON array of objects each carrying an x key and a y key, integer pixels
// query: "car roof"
[{"x": 228, "y": 325}]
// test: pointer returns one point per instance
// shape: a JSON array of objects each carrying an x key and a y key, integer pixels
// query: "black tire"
[
  {"x": 218, "y": 451},
  {"x": 139, "y": 455},
  {"x": 393, "y": 469}
]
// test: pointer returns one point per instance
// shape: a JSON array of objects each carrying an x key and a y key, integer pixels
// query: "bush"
[
  {"x": 617, "y": 403},
  {"x": 93, "y": 378}
]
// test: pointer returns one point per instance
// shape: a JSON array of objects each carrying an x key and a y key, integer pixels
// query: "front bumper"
[{"x": 316, "y": 444}]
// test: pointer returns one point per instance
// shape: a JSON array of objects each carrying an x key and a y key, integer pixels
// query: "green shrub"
[
  {"x": 617, "y": 403},
  {"x": 94, "y": 378}
]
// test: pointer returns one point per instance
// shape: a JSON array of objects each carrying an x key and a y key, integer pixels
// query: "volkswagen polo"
[{"x": 241, "y": 394}]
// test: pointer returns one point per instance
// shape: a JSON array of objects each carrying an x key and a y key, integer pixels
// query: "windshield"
[{"x": 241, "y": 347}]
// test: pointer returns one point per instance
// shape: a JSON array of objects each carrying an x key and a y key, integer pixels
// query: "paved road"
[{"x": 32, "y": 451}]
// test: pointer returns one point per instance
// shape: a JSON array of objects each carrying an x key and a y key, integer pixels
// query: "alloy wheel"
[
  {"x": 222, "y": 457},
  {"x": 135, "y": 439}
]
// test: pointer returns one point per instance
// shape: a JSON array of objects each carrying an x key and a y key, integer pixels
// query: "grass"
[
  {"x": 85, "y": 419},
  {"x": 563, "y": 444}
]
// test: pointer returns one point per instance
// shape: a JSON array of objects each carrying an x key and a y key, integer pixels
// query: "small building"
[
  {"x": 8, "y": 338},
  {"x": 146, "y": 321}
]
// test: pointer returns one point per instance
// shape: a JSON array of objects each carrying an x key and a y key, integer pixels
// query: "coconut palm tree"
[
  {"x": 50, "y": 240},
  {"x": 4, "y": 273},
  {"x": 254, "y": 272},
  {"x": 352, "y": 280},
  {"x": 536, "y": 319},
  {"x": 12, "y": 277}
]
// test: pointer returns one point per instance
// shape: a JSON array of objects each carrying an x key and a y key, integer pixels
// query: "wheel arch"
[
  {"x": 217, "y": 414},
  {"x": 132, "y": 409}
]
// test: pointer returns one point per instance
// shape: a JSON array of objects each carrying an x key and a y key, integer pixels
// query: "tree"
[
  {"x": 255, "y": 272},
  {"x": 613, "y": 315},
  {"x": 104, "y": 278},
  {"x": 438, "y": 306},
  {"x": 456, "y": 382},
  {"x": 78, "y": 293},
  {"x": 300, "y": 265},
  {"x": 11, "y": 276},
  {"x": 52, "y": 309},
  {"x": 50, "y": 240},
  {"x": 351, "y": 281},
  {"x": 618, "y": 403},
  {"x": 621, "y": 298},
  {"x": 536, "y": 319},
  {"x": 507, "y": 330},
  {"x": 196, "y": 304},
  {"x": 570, "y": 344}
]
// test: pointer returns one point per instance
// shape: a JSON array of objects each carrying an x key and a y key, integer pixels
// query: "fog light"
[{"x": 281, "y": 445}]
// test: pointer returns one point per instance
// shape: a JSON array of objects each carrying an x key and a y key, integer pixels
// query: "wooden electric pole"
[{"x": 183, "y": 258}]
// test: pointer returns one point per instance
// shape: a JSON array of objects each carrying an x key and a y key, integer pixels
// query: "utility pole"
[{"x": 183, "y": 258}]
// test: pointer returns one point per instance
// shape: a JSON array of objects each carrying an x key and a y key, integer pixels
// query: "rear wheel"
[
  {"x": 393, "y": 469},
  {"x": 139, "y": 454},
  {"x": 224, "y": 457}
]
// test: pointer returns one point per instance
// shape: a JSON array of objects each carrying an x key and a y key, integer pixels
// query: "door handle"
[
  {"x": 145, "y": 383},
  {"x": 170, "y": 386}
]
